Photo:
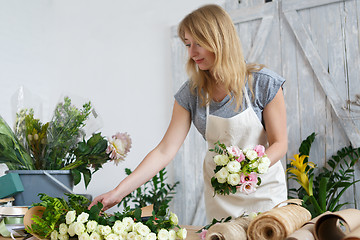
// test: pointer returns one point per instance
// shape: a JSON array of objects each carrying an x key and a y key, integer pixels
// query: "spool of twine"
[
  {"x": 278, "y": 223},
  {"x": 235, "y": 229}
]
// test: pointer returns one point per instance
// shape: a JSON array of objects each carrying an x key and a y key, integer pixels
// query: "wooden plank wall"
[{"x": 333, "y": 29}]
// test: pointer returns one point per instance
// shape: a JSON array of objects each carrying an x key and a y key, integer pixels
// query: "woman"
[{"x": 228, "y": 101}]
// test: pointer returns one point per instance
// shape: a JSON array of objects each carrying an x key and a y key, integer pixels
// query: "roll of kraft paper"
[
  {"x": 278, "y": 223},
  {"x": 339, "y": 225},
  {"x": 235, "y": 229},
  {"x": 307, "y": 231}
]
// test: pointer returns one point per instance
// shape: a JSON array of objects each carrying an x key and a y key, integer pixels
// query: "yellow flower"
[{"x": 299, "y": 170}]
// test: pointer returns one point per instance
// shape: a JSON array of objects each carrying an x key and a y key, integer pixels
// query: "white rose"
[
  {"x": 118, "y": 227},
  {"x": 143, "y": 230},
  {"x": 265, "y": 160},
  {"x": 135, "y": 226},
  {"x": 131, "y": 236},
  {"x": 163, "y": 234},
  {"x": 181, "y": 233},
  {"x": 111, "y": 236},
  {"x": 150, "y": 236},
  {"x": 221, "y": 160},
  {"x": 95, "y": 236},
  {"x": 79, "y": 228},
  {"x": 174, "y": 219},
  {"x": 263, "y": 168},
  {"x": 70, "y": 217},
  {"x": 128, "y": 221},
  {"x": 252, "y": 215},
  {"x": 91, "y": 226},
  {"x": 254, "y": 164},
  {"x": 83, "y": 217},
  {"x": 84, "y": 236},
  {"x": 139, "y": 237},
  {"x": 54, "y": 235},
  {"x": 222, "y": 173},
  {"x": 172, "y": 234},
  {"x": 233, "y": 179},
  {"x": 251, "y": 154},
  {"x": 233, "y": 166},
  {"x": 63, "y": 228},
  {"x": 71, "y": 229},
  {"x": 63, "y": 237},
  {"x": 104, "y": 230},
  {"x": 222, "y": 180},
  {"x": 122, "y": 236}
]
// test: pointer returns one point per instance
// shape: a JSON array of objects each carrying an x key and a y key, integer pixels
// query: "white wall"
[{"x": 114, "y": 53}]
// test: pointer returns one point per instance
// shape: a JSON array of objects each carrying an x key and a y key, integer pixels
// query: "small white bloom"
[
  {"x": 181, "y": 233},
  {"x": 135, "y": 226},
  {"x": 104, "y": 230},
  {"x": 91, "y": 226},
  {"x": 221, "y": 160},
  {"x": 254, "y": 165},
  {"x": 163, "y": 234},
  {"x": 70, "y": 217},
  {"x": 131, "y": 236},
  {"x": 63, "y": 237},
  {"x": 265, "y": 160},
  {"x": 222, "y": 173},
  {"x": 222, "y": 180},
  {"x": 233, "y": 179},
  {"x": 143, "y": 230},
  {"x": 71, "y": 229},
  {"x": 111, "y": 236},
  {"x": 174, "y": 219},
  {"x": 251, "y": 154},
  {"x": 172, "y": 234},
  {"x": 128, "y": 221},
  {"x": 83, "y": 217},
  {"x": 263, "y": 168},
  {"x": 119, "y": 227},
  {"x": 54, "y": 235},
  {"x": 79, "y": 228},
  {"x": 252, "y": 215},
  {"x": 150, "y": 236},
  {"x": 233, "y": 166},
  {"x": 84, "y": 236},
  {"x": 95, "y": 236},
  {"x": 63, "y": 228}
]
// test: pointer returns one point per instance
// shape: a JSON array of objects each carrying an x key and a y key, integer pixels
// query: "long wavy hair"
[{"x": 212, "y": 28}]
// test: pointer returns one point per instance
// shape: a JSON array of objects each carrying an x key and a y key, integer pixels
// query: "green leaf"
[
  {"x": 305, "y": 146},
  {"x": 76, "y": 176},
  {"x": 322, "y": 193}
]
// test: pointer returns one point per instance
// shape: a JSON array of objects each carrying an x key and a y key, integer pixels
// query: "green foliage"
[
  {"x": 215, "y": 221},
  {"x": 331, "y": 182},
  {"x": 154, "y": 191}
]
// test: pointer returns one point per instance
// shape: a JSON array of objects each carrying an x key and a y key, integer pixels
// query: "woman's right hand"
[{"x": 108, "y": 199}]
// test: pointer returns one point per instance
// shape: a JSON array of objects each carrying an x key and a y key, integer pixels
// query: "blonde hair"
[{"x": 212, "y": 28}]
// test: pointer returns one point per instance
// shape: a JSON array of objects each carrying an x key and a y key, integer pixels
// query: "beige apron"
[{"x": 243, "y": 130}]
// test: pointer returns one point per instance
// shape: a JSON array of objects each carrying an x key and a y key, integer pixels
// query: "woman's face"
[{"x": 202, "y": 57}]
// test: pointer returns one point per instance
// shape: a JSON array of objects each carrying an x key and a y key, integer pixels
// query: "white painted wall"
[{"x": 114, "y": 53}]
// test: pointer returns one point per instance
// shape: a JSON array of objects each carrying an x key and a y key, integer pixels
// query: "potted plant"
[{"x": 57, "y": 151}]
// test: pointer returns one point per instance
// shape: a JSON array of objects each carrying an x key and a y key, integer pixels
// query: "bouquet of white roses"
[{"x": 238, "y": 169}]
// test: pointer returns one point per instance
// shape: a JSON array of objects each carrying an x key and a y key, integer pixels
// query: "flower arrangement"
[
  {"x": 321, "y": 191},
  {"x": 59, "y": 144},
  {"x": 63, "y": 220},
  {"x": 238, "y": 169}
]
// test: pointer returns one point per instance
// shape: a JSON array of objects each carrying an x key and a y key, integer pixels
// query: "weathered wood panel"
[{"x": 314, "y": 45}]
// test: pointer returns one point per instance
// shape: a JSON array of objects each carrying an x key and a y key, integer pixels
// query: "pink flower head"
[
  {"x": 119, "y": 146},
  {"x": 203, "y": 234},
  {"x": 248, "y": 178},
  {"x": 260, "y": 149},
  {"x": 236, "y": 152},
  {"x": 248, "y": 187}
]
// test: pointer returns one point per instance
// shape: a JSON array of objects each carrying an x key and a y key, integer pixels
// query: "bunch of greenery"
[
  {"x": 155, "y": 191},
  {"x": 55, "y": 145},
  {"x": 321, "y": 192}
]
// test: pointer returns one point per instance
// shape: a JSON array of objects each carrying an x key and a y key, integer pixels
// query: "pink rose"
[
  {"x": 203, "y": 234},
  {"x": 236, "y": 152},
  {"x": 249, "y": 178},
  {"x": 260, "y": 149},
  {"x": 247, "y": 187}
]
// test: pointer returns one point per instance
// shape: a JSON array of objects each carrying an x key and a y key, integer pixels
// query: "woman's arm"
[
  {"x": 274, "y": 115},
  {"x": 156, "y": 160}
]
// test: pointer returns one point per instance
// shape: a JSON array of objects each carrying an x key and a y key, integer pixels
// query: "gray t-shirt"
[{"x": 266, "y": 84}]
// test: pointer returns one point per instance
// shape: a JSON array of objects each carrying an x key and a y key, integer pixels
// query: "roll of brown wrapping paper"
[
  {"x": 235, "y": 229},
  {"x": 339, "y": 225},
  {"x": 307, "y": 231},
  {"x": 278, "y": 223}
]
